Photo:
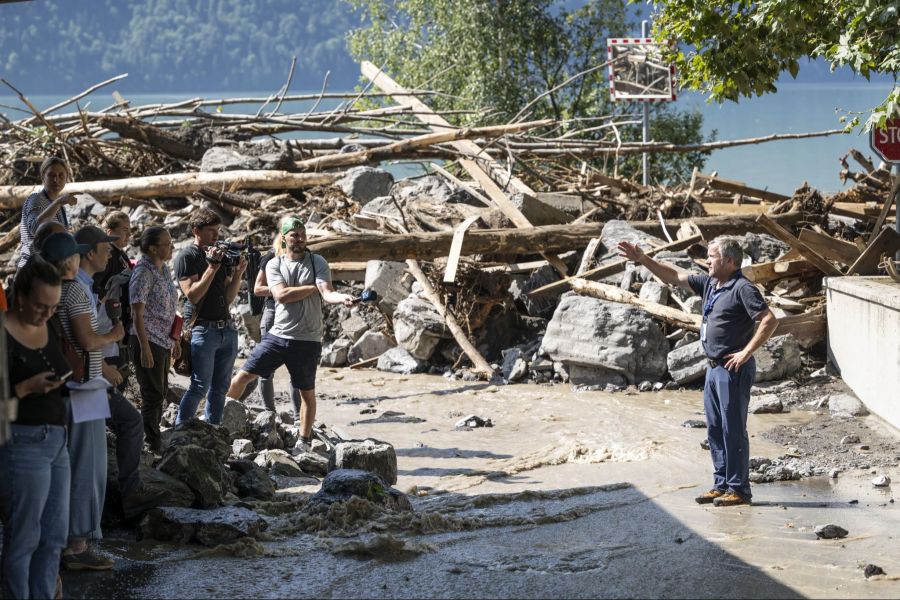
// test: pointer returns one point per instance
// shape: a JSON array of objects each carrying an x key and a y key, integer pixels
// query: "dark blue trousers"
[{"x": 726, "y": 397}]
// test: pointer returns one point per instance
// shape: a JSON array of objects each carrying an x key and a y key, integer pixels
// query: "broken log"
[
  {"x": 612, "y": 293},
  {"x": 131, "y": 128},
  {"x": 829, "y": 247},
  {"x": 736, "y": 187},
  {"x": 481, "y": 365},
  {"x": 764, "y": 273},
  {"x": 176, "y": 184},
  {"x": 611, "y": 268}
]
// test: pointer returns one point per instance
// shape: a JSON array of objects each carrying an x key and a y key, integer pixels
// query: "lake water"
[{"x": 778, "y": 166}]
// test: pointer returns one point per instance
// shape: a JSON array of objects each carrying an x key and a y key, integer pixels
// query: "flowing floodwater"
[{"x": 568, "y": 495}]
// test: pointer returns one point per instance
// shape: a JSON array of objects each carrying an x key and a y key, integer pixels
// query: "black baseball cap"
[
  {"x": 91, "y": 235},
  {"x": 60, "y": 246}
]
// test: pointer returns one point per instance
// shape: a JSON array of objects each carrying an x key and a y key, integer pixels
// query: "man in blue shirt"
[{"x": 732, "y": 305}]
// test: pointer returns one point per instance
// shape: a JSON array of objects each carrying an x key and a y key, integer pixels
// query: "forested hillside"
[{"x": 60, "y": 46}]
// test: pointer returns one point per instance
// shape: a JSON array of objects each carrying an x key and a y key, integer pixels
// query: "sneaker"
[
  {"x": 731, "y": 499},
  {"x": 709, "y": 497},
  {"x": 86, "y": 561},
  {"x": 142, "y": 500}
]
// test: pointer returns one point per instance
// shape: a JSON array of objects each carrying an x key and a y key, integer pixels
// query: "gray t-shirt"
[{"x": 301, "y": 320}]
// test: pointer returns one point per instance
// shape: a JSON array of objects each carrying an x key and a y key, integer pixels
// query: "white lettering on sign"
[{"x": 888, "y": 136}]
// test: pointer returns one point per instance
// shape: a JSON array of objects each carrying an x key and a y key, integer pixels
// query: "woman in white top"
[{"x": 48, "y": 204}]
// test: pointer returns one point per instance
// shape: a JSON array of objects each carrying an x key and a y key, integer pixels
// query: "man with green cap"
[{"x": 299, "y": 282}]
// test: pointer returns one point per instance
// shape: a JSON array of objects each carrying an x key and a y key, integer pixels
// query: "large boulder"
[
  {"x": 252, "y": 480},
  {"x": 609, "y": 336},
  {"x": 222, "y": 158},
  {"x": 654, "y": 292},
  {"x": 399, "y": 360},
  {"x": 419, "y": 327},
  {"x": 390, "y": 281},
  {"x": 370, "y": 345},
  {"x": 366, "y": 455},
  {"x": 687, "y": 363},
  {"x": 365, "y": 183},
  {"x": 779, "y": 358},
  {"x": 762, "y": 247},
  {"x": 201, "y": 470},
  {"x": 542, "y": 305},
  {"x": 208, "y": 527},
  {"x": 336, "y": 353},
  {"x": 342, "y": 484},
  {"x": 515, "y": 364}
]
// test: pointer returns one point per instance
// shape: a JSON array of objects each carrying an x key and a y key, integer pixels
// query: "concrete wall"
[{"x": 864, "y": 340}]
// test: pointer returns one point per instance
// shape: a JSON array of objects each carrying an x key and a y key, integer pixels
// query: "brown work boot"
[
  {"x": 709, "y": 497},
  {"x": 731, "y": 499}
]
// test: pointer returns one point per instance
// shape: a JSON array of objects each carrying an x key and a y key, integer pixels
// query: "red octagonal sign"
[{"x": 886, "y": 142}]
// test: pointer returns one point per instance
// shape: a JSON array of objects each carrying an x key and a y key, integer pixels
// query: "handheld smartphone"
[{"x": 62, "y": 377}]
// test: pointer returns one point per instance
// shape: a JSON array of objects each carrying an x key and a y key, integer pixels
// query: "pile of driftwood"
[{"x": 534, "y": 194}]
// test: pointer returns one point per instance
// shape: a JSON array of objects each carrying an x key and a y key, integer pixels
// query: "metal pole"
[
  {"x": 896, "y": 206},
  {"x": 645, "y": 127}
]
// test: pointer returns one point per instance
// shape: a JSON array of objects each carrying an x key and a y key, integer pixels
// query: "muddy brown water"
[{"x": 569, "y": 495}]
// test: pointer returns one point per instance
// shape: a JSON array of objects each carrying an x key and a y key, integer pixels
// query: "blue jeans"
[
  {"x": 726, "y": 398},
  {"x": 213, "y": 351},
  {"x": 34, "y": 507},
  {"x": 87, "y": 451}
]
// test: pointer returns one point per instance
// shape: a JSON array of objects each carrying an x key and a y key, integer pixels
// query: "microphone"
[
  {"x": 113, "y": 310},
  {"x": 368, "y": 295}
]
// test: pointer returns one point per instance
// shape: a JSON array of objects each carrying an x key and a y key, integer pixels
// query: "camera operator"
[
  {"x": 210, "y": 287},
  {"x": 299, "y": 281}
]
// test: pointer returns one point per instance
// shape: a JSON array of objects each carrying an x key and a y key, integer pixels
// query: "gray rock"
[
  {"x": 580, "y": 375},
  {"x": 200, "y": 433},
  {"x": 645, "y": 386},
  {"x": 312, "y": 463},
  {"x": 384, "y": 206},
  {"x": 694, "y": 305},
  {"x": 367, "y": 455},
  {"x": 342, "y": 484},
  {"x": 354, "y": 327},
  {"x": 418, "y": 327},
  {"x": 335, "y": 354},
  {"x": 255, "y": 483},
  {"x": 370, "y": 345},
  {"x": 221, "y": 158},
  {"x": 765, "y": 404},
  {"x": 234, "y": 418},
  {"x": 779, "y": 358},
  {"x": 390, "y": 281},
  {"x": 472, "y": 422},
  {"x": 694, "y": 424},
  {"x": 607, "y": 335},
  {"x": 279, "y": 462},
  {"x": 87, "y": 208},
  {"x": 515, "y": 364},
  {"x": 654, "y": 292},
  {"x": 241, "y": 446},
  {"x": 881, "y": 481},
  {"x": 845, "y": 405},
  {"x": 830, "y": 532},
  {"x": 208, "y": 527},
  {"x": 399, "y": 360},
  {"x": 762, "y": 247},
  {"x": 199, "y": 469},
  {"x": 850, "y": 439},
  {"x": 687, "y": 363},
  {"x": 365, "y": 183},
  {"x": 616, "y": 231},
  {"x": 260, "y": 429}
]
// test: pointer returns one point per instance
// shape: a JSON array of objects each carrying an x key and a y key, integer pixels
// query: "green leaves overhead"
[{"x": 733, "y": 49}]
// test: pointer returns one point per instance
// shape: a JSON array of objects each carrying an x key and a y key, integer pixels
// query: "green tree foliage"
[
  {"x": 739, "y": 48},
  {"x": 61, "y": 46},
  {"x": 502, "y": 54}
]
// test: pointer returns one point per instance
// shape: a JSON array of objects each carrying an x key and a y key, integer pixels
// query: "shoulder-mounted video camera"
[{"x": 231, "y": 253}]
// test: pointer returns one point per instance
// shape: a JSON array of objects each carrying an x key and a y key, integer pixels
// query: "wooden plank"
[
  {"x": 456, "y": 247},
  {"x": 763, "y": 273},
  {"x": 887, "y": 242},
  {"x": 728, "y": 185},
  {"x": 788, "y": 238},
  {"x": 829, "y": 247},
  {"x": 807, "y": 328},
  {"x": 348, "y": 271},
  {"x": 895, "y": 190},
  {"x": 611, "y": 268},
  {"x": 588, "y": 255}
]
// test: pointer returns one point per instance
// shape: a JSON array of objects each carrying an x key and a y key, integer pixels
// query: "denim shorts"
[{"x": 300, "y": 356}]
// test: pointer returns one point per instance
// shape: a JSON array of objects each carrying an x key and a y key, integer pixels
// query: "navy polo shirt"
[{"x": 732, "y": 321}]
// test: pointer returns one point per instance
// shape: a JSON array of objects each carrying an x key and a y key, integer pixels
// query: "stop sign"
[{"x": 886, "y": 142}]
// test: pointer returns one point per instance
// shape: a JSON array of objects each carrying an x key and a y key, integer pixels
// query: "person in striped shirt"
[{"x": 48, "y": 204}]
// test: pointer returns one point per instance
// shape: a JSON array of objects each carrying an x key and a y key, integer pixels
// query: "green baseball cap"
[{"x": 291, "y": 223}]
